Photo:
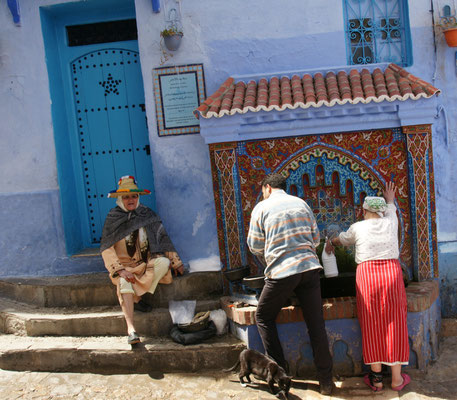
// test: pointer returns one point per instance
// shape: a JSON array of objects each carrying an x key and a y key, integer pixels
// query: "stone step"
[
  {"x": 89, "y": 290},
  {"x": 27, "y": 320},
  {"x": 112, "y": 355}
]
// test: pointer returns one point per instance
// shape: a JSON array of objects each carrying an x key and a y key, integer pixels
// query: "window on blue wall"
[{"x": 377, "y": 31}]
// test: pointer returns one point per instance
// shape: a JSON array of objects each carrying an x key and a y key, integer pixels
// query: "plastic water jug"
[{"x": 329, "y": 264}]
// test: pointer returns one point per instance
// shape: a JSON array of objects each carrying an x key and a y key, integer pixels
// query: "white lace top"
[{"x": 374, "y": 239}]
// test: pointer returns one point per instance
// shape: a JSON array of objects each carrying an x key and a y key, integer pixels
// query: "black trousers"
[{"x": 274, "y": 296}]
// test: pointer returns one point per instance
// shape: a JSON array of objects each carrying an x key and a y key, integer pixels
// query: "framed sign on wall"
[{"x": 178, "y": 91}]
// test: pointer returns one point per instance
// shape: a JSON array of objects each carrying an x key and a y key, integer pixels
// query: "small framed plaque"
[{"x": 178, "y": 91}]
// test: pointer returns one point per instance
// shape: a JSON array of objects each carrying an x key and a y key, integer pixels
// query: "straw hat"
[{"x": 127, "y": 184}]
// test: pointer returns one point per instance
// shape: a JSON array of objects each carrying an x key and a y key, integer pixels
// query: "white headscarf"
[
  {"x": 142, "y": 231},
  {"x": 375, "y": 205},
  {"x": 120, "y": 203}
]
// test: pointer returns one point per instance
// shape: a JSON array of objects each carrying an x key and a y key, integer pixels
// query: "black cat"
[{"x": 263, "y": 367}]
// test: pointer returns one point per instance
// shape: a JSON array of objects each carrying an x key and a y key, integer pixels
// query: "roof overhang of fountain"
[{"x": 316, "y": 102}]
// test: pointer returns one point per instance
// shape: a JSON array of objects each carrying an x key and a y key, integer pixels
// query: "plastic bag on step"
[
  {"x": 182, "y": 312},
  {"x": 220, "y": 320}
]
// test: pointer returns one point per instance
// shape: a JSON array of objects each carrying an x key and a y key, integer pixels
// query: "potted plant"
[
  {"x": 448, "y": 24},
  {"x": 172, "y": 38}
]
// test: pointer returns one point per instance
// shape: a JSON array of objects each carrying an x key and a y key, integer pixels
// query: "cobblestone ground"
[{"x": 440, "y": 382}]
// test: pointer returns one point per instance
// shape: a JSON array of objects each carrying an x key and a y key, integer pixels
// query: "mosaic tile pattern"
[
  {"x": 223, "y": 159},
  {"x": 348, "y": 157},
  {"x": 333, "y": 173},
  {"x": 423, "y": 200}
]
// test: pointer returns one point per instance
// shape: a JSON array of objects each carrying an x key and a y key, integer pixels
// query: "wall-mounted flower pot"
[
  {"x": 451, "y": 37},
  {"x": 173, "y": 42}
]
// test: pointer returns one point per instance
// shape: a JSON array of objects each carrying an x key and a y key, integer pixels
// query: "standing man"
[{"x": 284, "y": 232}]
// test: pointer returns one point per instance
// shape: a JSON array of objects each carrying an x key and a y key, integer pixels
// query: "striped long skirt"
[{"x": 382, "y": 311}]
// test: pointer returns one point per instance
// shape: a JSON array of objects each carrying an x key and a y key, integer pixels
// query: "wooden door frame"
[{"x": 53, "y": 21}]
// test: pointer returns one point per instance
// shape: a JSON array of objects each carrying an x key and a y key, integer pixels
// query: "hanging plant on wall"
[
  {"x": 448, "y": 25},
  {"x": 172, "y": 38}
]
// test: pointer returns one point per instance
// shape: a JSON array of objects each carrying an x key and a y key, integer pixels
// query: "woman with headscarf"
[
  {"x": 381, "y": 295},
  {"x": 136, "y": 251}
]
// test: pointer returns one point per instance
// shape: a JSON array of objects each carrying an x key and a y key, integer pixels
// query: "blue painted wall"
[
  {"x": 448, "y": 278},
  {"x": 229, "y": 39},
  {"x": 32, "y": 241}
]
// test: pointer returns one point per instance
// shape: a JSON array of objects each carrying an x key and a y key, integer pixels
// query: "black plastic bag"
[{"x": 193, "y": 337}]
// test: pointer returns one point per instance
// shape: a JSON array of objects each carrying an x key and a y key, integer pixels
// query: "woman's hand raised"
[{"x": 389, "y": 192}]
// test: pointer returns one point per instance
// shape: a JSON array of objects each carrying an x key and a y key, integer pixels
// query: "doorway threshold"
[{"x": 89, "y": 252}]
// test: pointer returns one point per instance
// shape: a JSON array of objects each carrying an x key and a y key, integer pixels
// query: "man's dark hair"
[{"x": 276, "y": 181}]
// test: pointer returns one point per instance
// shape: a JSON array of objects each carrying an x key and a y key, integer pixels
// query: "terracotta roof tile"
[
  {"x": 379, "y": 83},
  {"x": 394, "y": 83}
]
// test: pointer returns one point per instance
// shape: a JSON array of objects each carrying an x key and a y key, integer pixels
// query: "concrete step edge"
[
  {"x": 114, "y": 355},
  {"x": 97, "y": 290},
  {"x": 24, "y": 320},
  {"x": 29, "y": 311}
]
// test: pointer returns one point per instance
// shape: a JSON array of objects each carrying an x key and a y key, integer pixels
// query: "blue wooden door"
[{"x": 108, "y": 94}]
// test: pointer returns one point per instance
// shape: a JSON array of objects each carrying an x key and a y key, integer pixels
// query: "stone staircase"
[{"x": 75, "y": 324}]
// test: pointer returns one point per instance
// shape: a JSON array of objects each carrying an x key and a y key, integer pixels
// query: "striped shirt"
[{"x": 283, "y": 231}]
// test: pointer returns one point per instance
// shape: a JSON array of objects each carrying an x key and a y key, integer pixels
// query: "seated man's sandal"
[{"x": 133, "y": 338}]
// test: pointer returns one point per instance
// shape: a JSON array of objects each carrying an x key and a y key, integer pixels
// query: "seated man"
[{"x": 136, "y": 251}]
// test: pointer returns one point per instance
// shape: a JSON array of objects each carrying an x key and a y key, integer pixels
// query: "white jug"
[{"x": 329, "y": 263}]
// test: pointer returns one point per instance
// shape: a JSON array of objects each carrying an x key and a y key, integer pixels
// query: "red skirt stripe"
[{"x": 382, "y": 312}]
